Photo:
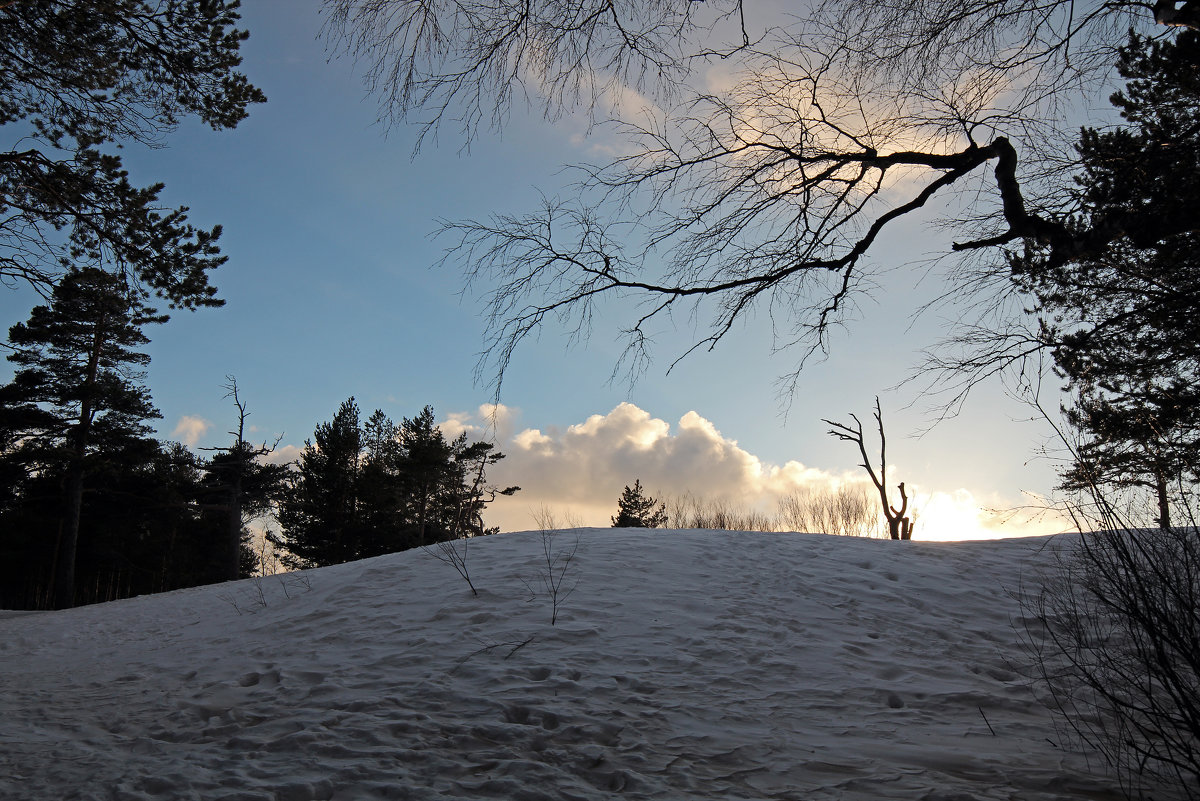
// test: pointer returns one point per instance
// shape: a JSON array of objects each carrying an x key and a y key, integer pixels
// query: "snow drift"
[{"x": 684, "y": 665}]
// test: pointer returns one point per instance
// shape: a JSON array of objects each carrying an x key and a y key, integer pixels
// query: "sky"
[{"x": 332, "y": 291}]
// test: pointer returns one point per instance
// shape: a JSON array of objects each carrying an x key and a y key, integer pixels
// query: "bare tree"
[
  {"x": 465, "y": 60},
  {"x": 900, "y": 525},
  {"x": 1113, "y": 630},
  {"x": 769, "y": 194},
  {"x": 689, "y": 510},
  {"x": 546, "y": 518},
  {"x": 556, "y": 576}
]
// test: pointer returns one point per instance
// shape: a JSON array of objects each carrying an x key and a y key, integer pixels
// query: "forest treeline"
[
  {"x": 155, "y": 515},
  {"x": 92, "y": 506}
]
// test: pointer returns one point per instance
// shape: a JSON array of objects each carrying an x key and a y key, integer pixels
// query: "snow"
[{"x": 683, "y": 665}]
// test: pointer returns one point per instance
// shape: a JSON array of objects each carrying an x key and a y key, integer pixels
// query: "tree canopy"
[
  {"x": 78, "y": 79},
  {"x": 636, "y": 509},
  {"x": 368, "y": 489},
  {"x": 76, "y": 399},
  {"x": 1122, "y": 324}
]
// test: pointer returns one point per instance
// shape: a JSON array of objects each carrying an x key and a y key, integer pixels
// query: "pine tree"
[
  {"x": 426, "y": 470},
  {"x": 80, "y": 79},
  {"x": 636, "y": 509},
  {"x": 379, "y": 487},
  {"x": 75, "y": 396},
  {"x": 1123, "y": 326},
  {"x": 472, "y": 492},
  {"x": 318, "y": 514}
]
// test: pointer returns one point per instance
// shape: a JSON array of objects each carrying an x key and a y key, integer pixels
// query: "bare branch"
[
  {"x": 465, "y": 60},
  {"x": 769, "y": 193}
]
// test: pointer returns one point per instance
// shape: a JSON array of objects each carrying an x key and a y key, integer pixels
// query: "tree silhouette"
[
  {"x": 246, "y": 487},
  {"x": 1122, "y": 327},
  {"x": 76, "y": 391},
  {"x": 771, "y": 193},
  {"x": 635, "y": 509},
  {"x": 900, "y": 525},
  {"x": 77, "y": 81},
  {"x": 319, "y": 512},
  {"x": 365, "y": 490}
]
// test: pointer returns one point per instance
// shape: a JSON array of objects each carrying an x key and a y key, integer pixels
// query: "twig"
[{"x": 985, "y": 720}]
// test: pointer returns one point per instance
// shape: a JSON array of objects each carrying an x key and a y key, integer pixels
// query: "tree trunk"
[
  {"x": 64, "y": 569},
  {"x": 421, "y": 516},
  {"x": 233, "y": 557},
  {"x": 1164, "y": 504},
  {"x": 894, "y": 527}
]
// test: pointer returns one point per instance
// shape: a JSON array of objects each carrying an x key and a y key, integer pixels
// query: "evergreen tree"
[
  {"x": 635, "y": 509},
  {"x": 147, "y": 525},
  {"x": 471, "y": 490},
  {"x": 75, "y": 397},
  {"x": 376, "y": 488},
  {"x": 318, "y": 514},
  {"x": 81, "y": 78},
  {"x": 379, "y": 487},
  {"x": 426, "y": 470},
  {"x": 143, "y": 528},
  {"x": 180, "y": 533},
  {"x": 1123, "y": 325}
]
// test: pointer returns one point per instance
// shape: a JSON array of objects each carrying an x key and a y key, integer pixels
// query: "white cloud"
[
  {"x": 456, "y": 423},
  {"x": 190, "y": 429},
  {"x": 490, "y": 422},
  {"x": 282, "y": 454},
  {"x": 580, "y": 471}
]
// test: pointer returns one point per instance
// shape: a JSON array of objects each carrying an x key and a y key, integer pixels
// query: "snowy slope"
[{"x": 685, "y": 665}]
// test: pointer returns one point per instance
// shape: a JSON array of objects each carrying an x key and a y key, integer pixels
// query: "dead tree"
[
  {"x": 900, "y": 525},
  {"x": 247, "y": 486}
]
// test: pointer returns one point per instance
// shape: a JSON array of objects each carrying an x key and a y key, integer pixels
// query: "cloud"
[
  {"x": 190, "y": 429},
  {"x": 491, "y": 421},
  {"x": 581, "y": 470},
  {"x": 283, "y": 454}
]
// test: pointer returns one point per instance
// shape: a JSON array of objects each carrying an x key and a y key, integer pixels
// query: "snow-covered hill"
[{"x": 685, "y": 665}]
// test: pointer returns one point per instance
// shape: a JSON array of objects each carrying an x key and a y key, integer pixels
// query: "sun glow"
[
  {"x": 951, "y": 516},
  {"x": 959, "y": 515}
]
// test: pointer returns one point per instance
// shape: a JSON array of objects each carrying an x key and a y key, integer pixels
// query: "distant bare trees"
[
  {"x": 847, "y": 511},
  {"x": 900, "y": 524},
  {"x": 688, "y": 510}
]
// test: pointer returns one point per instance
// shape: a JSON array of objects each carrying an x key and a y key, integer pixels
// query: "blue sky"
[{"x": 331, "y": 291}]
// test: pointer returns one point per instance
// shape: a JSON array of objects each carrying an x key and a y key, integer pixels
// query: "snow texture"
[{"x": 684, "y": 665}]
